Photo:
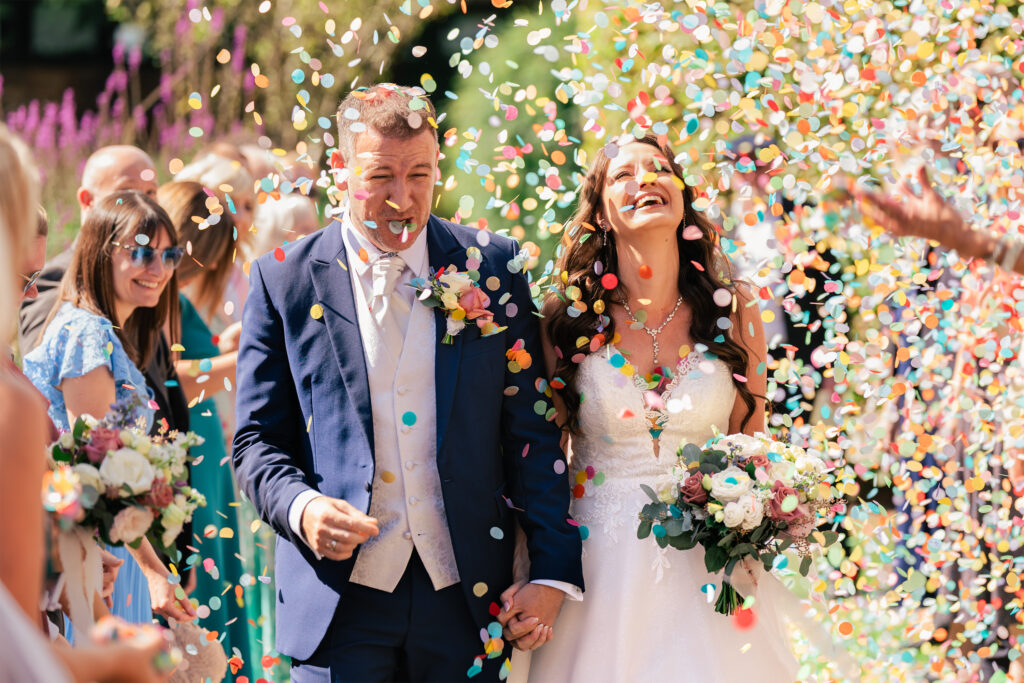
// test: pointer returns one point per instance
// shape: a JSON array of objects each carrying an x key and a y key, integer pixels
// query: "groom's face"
[{"x": 390, "y": 185}]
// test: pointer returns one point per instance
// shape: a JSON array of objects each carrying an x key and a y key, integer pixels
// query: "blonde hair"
[
  {"x": 277, "y": 221},
  {"x": 223, "y": 176},
  {"x": 19, "y": 207}
]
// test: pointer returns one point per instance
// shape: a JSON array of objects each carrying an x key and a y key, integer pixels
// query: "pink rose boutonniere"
[{"x": 461, "y": 299}]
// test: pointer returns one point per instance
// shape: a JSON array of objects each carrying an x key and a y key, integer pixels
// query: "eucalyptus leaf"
[
  {"x": 805, "y": 565},
  {"x": 650, "y": 493},
  {"x": 645, "y": 529},
  {"x": 715, "y": 558}
]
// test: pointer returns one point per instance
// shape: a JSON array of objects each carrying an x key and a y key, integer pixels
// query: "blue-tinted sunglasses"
[{"x": 142, "y": 255}]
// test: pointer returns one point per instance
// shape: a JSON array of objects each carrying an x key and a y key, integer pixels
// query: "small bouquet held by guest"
[
  {"x": 741, "y": 497},
  {"x": 109, "y": 479}
]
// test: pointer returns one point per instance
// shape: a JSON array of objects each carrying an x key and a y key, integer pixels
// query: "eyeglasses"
[
  {"x": 142, "y": 256},
  {"x": 30, "y": 280}
]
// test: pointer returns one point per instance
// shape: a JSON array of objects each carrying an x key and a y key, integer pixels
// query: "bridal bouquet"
[
  {"x": 741, "y": 496},
  {"x": 112, "y": 479}
]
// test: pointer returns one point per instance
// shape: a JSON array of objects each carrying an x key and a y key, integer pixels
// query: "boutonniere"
[{"x": 460, "y": 297}]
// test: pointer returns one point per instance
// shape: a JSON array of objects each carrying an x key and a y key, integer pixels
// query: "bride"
[{"x": 660, "y": 350}]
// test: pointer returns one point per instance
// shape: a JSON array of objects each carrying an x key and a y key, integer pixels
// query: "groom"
[{"x": 388, "y": 461}]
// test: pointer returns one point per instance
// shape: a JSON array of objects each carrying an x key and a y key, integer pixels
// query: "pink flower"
[
  {"x": 780, "y": 492},
  {"x": 693, "y": 490},
  {"x": 757, "y": 461},
  {"x": 102, "y": 440},
  {"x": 474, "y": 301},
  {"x": 161, "y": 494}
]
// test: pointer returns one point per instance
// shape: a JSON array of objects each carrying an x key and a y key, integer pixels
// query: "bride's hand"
[
  {"x": 529, "y": 632},
  {"x": 745, "y": 576}
]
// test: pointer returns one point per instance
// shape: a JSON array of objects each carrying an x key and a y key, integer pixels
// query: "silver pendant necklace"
[{"x": 654, "y": 333}]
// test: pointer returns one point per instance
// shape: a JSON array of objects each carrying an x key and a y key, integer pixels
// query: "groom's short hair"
[{"x": 394, "y": 111}]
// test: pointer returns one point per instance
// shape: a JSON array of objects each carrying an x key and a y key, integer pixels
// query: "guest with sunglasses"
[{"x": 114, "y": 298}]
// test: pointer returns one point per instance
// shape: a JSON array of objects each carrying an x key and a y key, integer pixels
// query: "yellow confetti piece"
[
  {"x": 387, "y": 477},
  {"x": 227, "y": 532},
  {"x": 316, "y": 311},
  {"x": 479, "y": 589},
  {"x": 255, "y": 525}
]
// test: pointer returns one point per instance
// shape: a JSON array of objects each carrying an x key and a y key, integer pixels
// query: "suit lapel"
[
  {"x": 333, "y": 286},
  {"x": 444, "y": 250}
]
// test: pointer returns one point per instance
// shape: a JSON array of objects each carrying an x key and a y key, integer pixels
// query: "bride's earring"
[{"x": 604, "y": 233}]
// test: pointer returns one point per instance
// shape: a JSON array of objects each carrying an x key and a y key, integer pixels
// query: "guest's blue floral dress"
[{"x": 75, "y": 343}]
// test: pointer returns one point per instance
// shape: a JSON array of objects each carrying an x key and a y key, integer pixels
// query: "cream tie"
[{"x": 390, "y": 309}]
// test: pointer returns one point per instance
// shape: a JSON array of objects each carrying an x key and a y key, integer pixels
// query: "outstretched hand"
[
  {"x": 528, "y": 612},
  {"x": 909, "y": 215}
]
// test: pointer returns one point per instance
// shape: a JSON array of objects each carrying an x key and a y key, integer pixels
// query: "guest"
[
  {"x": 106, "y": 323},
  {"x": 231, "y": 182},
  {"x": 109, "y": 169},
  {"x": 284, "y": 220},
  {"x": 26, "y": 655}
]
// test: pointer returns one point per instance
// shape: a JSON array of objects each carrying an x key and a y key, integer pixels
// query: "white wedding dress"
[{"x": 646, "y": 614}]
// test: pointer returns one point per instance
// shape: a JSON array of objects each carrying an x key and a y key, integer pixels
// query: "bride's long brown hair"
[{"x": 583, "y": 246}]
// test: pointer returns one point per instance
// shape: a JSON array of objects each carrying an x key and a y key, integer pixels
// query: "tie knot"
[{"x": 386, "y": 271}]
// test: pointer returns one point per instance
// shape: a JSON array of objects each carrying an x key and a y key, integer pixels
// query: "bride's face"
[{"x": 640, "y": 192}]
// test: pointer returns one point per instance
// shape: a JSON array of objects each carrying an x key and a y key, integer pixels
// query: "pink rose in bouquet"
[
  {"x": 161, "y": 494},
  {"x": 776, "y": 504},
  {"x": 101, "y": 441},
  {"x": 474, "y": 301},
  {"x": 693, "y": 490}
]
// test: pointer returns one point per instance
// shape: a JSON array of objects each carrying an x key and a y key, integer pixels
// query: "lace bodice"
[{"x": 614, "y": 452}]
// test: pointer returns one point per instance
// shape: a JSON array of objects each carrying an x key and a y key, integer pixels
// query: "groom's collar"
[{"x": 415, "y": 255}]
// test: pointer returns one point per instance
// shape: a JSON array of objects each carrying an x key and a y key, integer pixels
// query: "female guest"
[
  {"x": 233, "y": 185},
  {"x": 203, "y": 370},
  {"x": 118, "y": 289},
  {"x": 689, "y": 335}
]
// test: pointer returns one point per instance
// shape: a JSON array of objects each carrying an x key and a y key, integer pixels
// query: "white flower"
[
  {"x": 809, "y": 464},
  {"x": 131, "y": 524},
  {"x": 127, "y": 467},
  {"x": 89, "y": 476},
  {"x": 667, "y": 488},
  {"x": 753, "y": 512},
  {"x": 455, "y": 282},
  {"x": 781, "y": 471},
  {"x": 455, "y": 326},
  {"x": 730, "y": 484},
  {"x": 732, "y": 515},
  {"x": 173, "y": 515},
  {"x": 745, "y": 445},
  {"x": 66, "y": 441},
  {"x": 170, "y": 534},
  {"x": 89, "y": 420}
]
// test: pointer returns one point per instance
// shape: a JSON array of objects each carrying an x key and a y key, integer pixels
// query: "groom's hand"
[
  {"x": 528, "y": 613},
  {"x": 333, "y": 528}
]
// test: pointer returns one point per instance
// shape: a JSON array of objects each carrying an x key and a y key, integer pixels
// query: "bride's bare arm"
[{"x": 748, "y": 330}]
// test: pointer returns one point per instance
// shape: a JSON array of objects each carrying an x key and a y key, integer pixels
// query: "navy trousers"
[{"x": 412, "y": 634}]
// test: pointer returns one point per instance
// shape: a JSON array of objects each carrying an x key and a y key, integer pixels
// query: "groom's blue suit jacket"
[{"x": 304, "y": 420}]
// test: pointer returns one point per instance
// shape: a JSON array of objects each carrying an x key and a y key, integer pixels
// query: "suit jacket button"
[{"x": 407, "y": 535}]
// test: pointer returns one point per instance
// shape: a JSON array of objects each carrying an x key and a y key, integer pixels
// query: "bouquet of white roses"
[
  {"x": 128, "y": 484},
  {"x": 741, "y": 496}
]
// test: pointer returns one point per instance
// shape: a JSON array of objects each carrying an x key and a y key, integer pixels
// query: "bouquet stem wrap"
[{"x": 83, "y": 574}]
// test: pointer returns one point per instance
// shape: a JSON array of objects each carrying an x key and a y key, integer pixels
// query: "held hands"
[
  {"x": 528, "y": 612},
  {"x": 333, "y": 528}
]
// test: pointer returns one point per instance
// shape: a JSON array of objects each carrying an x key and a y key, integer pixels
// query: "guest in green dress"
[{"x": 228, "y": 593}]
